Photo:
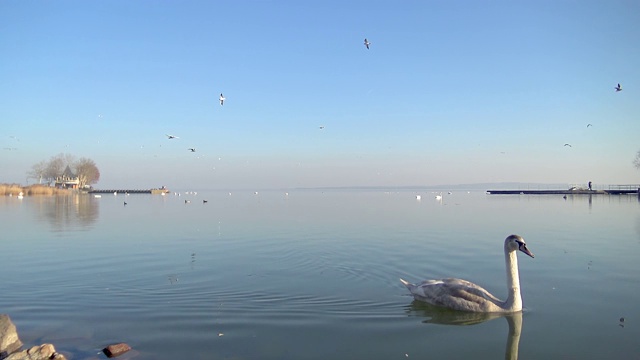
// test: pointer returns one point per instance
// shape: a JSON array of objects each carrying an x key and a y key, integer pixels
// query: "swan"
[{"x": 463, "y": 295}]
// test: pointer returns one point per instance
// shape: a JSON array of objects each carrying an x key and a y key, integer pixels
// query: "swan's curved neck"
[{"x": 514, "y": 300}]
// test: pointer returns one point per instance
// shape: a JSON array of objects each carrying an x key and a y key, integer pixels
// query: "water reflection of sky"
[{"x": 324, "y": 263}]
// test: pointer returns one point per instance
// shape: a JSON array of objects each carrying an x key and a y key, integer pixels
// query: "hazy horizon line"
[{"x": 511, "y": 185}]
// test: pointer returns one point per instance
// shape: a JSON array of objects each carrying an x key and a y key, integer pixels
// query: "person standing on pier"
[{"x": 589, "y": 185}]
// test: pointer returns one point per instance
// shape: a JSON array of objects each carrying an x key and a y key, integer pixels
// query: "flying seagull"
[
  {"x": 321, "y": 127},
  {"x": 172, "y": 137},
  {"x": 222, "y": 99},
  {"x": 569, "y": 145},
  {"x": 618, "y": 88},
  {"x": 192, "y": 149},
  {"x": 589, "y": 125},
  {"x": 366, "y": 43}
]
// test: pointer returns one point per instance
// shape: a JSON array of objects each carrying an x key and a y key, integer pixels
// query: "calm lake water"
[{"x": 314, "y": 275}]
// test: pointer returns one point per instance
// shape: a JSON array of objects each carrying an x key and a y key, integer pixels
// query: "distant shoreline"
[{"x": 31, "y": 190}]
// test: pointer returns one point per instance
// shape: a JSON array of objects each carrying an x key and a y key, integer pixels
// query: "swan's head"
[{"x": 516, "y": 242}]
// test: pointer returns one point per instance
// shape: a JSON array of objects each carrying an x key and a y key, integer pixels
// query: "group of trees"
[{"x": 48, "y": 171}]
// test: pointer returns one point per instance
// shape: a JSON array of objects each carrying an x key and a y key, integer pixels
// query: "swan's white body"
[{"x": 463, "y": 295}]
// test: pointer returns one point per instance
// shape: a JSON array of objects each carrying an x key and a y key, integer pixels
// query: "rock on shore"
[
  {"x": 42, "y": 352},
  {"x": 10, "y": 343}
]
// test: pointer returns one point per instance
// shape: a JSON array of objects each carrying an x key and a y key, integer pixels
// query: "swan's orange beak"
[{"x": 523, "y": 248}]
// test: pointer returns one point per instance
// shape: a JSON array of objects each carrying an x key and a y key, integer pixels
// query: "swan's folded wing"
[
  {"x": 471, "y": 288},
  {"x": 454, "y": 293}
]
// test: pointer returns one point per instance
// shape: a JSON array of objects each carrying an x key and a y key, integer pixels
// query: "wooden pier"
[
  {"x": 147, "y": 191},
  {"x": 612, "y": 190}
]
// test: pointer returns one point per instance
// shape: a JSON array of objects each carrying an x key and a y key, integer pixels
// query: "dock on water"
[
  {"x": 137, "y": 191},
  {"x": 574, "y": 190}
]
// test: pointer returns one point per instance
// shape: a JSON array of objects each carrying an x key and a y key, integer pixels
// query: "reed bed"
[{"x": 16, "y": 189}]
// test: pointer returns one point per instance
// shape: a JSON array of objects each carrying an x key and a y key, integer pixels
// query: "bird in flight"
[
  {"x": 618, "y": 88},
  {"x": 222, "y": 99},
  {"x": 569, "y": 145},
  {"x": 321, "y": 127},
  {"x": 366, "y": 43},
  {"x": 192, "y": 149},
  {"x": 589, "y": 125},
  {"x": 172, "y": 137}
]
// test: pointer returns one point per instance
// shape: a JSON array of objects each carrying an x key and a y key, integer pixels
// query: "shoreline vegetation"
[{"x": 30, "y": 190}]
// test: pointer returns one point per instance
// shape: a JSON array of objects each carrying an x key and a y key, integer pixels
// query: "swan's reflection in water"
[{"x": 442, "y": 316}]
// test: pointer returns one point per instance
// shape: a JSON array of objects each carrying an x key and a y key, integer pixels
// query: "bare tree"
[
  {"x": 636, "y": 161},
  {"x": 87, "y": 172},
  {"x": 52, "y": 169},
  {"x": 55, "y": 167},
  {"x": 38, "y": 171}
]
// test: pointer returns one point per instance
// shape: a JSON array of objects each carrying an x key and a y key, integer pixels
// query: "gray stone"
[
  {"x": 9, "y": 341},
  {"x": 116, "y": 349}
]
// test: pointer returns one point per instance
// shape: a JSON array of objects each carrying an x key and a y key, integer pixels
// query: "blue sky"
[{"x": 450, "y": 92}]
